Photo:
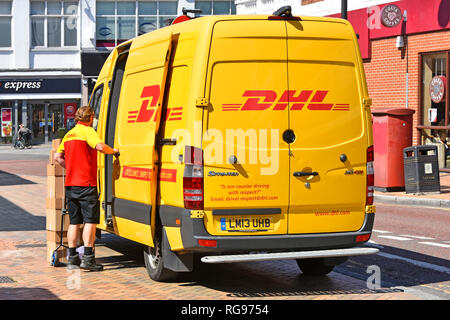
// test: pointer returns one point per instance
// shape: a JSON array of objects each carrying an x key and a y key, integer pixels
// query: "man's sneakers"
[{"x": 88, "y": 263}]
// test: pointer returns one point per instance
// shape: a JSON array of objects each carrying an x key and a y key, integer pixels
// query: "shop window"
[
  {"x": 5, "y": 24},
  {"x": 435, "y": 105},
  {"x": 215, "y": 7},
  {"x": 118, "y": 21},
  {"x": 54, "y": 23}
]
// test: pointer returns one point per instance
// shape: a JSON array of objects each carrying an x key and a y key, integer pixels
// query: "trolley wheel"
[
  {"x": 154, "y": 261},
  {"x": 55, "y": 261},
  {"x": 314, "y": 267}
]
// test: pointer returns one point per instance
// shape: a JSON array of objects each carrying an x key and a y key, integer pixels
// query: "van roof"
[{"x": 208, "y": 21}]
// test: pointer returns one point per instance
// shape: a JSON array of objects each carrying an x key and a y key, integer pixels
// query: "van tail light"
[
  {"x": 370, "y": 176},
  {"x": 193, "y": 178}
]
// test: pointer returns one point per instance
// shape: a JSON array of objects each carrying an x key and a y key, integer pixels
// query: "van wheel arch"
[{"x": 154, "y": 259}]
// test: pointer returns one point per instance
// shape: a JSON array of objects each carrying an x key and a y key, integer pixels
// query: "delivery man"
[{"x": 78, "y": 154}]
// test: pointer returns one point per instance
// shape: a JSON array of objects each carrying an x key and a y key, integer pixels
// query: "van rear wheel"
[
  {"x": 154, "y": 262},
  {"x": 314, "y": 267}
]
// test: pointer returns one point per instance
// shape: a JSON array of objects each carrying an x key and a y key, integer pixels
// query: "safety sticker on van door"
[
  {"x": 267, "y": 99},
  {"x": 145, "y": 174},
  {"x": 147, "y": 111}
]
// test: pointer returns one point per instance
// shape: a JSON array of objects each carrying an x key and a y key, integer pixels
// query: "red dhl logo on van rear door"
[
  {"x": 147, "y": 111},
  {"x": 265, "y": 99}
]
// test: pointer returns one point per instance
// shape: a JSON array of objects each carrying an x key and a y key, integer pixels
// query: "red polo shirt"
[{"x": 80, "y": 156}]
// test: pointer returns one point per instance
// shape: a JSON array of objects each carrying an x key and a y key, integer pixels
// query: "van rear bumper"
[{"x": 193, "y": 230}]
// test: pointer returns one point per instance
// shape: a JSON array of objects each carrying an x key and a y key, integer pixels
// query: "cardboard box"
[
  {"x": 53, "y": 220},
  {"x": 55, "y": 144},
  {"x": 54, "y": 203},
  {"x": 51, "y": 158},
  {"x": 55, "y": 187},
  {"x": 61, "y": 253},
  {"x": 55, "y": 170},
  {"x": 55, "y": 236}
]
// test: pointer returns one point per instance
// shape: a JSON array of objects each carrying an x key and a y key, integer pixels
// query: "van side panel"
[
  {"x": 247, "y": 74},
  {"x": 135, "y": 177},
  {"x": 329, "y": 122}
]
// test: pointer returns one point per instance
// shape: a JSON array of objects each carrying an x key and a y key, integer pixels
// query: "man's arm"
[
  {"x": 104, "y": 148},
  {"x": 59, "y": 157}
]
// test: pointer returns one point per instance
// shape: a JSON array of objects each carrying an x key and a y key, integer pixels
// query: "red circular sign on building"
[
  {"x": 391, "y": 15},
  {"x": 437, "y": 88}
]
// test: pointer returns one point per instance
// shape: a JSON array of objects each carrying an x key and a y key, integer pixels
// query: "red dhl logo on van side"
[
  {"x": 147, "y": 111},
  {"x": 264, "y": 99}
]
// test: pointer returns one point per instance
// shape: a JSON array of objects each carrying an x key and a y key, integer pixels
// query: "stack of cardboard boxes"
[{"x": 55, "y": 202}]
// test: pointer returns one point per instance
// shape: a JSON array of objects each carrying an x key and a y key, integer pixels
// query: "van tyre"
[
  {"x": 314, "y": 267},
  {"x": 154, "y": 262}
]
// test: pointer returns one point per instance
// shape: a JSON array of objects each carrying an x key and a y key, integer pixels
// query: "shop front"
[
  {"x": 435, "y": 112},
  {"x": 44, "y": 105}
]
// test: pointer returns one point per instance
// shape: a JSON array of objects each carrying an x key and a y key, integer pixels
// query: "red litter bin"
[{"x": 392, "y": 132}]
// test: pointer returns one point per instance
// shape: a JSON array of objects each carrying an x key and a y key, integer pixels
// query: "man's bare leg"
[
  {"x": 89, "y": 234},
  {"x": 73, "y": 235}
]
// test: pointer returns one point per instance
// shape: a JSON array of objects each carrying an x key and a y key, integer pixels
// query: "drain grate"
[{"x": 4, "y": 279}]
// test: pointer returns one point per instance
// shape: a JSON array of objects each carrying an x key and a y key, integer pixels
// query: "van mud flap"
[{"x": 289, "y": 255}]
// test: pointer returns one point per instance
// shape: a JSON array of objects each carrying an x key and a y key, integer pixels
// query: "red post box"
[{"x": 392, "y": 132}]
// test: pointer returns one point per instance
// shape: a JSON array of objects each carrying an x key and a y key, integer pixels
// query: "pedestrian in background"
[{"x": 78, "y": 154}]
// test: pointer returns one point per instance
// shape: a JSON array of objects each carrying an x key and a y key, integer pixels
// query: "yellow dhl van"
[{"x": 238, "y": 134}]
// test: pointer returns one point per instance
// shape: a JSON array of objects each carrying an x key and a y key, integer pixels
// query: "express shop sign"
[
  {"x": 54, "y": 85},
  {"x": 18, "y": 85}
]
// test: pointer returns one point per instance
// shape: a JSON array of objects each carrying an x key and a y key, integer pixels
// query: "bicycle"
[{"x": 21, "y": 142}]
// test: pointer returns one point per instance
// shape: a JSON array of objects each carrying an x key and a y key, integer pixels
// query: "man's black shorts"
[{"x": 83, "y": 205}]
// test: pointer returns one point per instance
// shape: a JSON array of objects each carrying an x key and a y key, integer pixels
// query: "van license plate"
[{"x": 246, "y": 224}]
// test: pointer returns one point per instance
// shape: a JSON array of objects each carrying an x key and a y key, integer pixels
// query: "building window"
[
  {"x": 216, "y": 7},
  {"x": 5, "y": 24},
  {"x": 54, "y": 23},
  {"x": 118, "y": 21}
]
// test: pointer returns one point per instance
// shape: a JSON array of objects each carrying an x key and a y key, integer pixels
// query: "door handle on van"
[{"x": 305, "y": 174}]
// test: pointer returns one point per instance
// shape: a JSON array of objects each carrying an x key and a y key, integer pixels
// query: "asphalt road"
[{"x": 414, "y": 244}]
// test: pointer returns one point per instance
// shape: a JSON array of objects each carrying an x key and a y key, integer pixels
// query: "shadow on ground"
[
  {"x": 283, "y": 278},
  {"x": 14, "y": 218},
  {"x": 9, "y": 179},
  {"x": 24, "y": 293}
]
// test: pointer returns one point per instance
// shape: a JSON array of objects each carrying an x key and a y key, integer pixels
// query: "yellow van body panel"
[
  {"x": 257, "y": 79},
  {"x": 330, "y": 125},
  {"x": 260, "y": 62}
]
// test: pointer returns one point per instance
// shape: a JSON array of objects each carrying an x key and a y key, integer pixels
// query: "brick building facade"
[{"x": 386, "y": 72}]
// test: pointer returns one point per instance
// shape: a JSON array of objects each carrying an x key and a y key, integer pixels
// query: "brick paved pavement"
[{"x": 22, "y": 258}]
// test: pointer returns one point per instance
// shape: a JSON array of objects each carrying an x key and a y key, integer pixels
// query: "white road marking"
[
  {"x": 415, "y": 262},
  {"x": 436, "y": 244},
  {"x": 395, "y": 238},
  {"x": 417, "y": 237},
  {"x": 381, "y": 231}
]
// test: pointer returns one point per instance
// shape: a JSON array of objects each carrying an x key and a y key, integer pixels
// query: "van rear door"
[
  {"x": 246, "y": 164},
  {"x": 328, "y": 154}
]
